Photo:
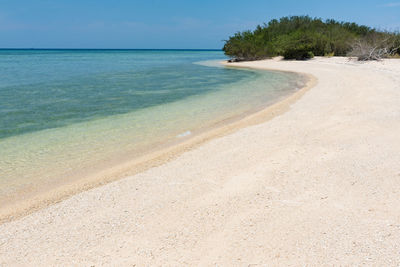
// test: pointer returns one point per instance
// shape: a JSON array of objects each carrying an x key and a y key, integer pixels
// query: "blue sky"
[{"x": 165, "y": 23}]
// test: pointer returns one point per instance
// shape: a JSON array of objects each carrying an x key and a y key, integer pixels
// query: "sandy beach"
[{"x": 314, "y": 180}]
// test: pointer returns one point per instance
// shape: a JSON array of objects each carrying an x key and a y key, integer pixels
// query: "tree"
[
  {"x": 301, "y": 37},
  {"x": 375, "y": 46}
]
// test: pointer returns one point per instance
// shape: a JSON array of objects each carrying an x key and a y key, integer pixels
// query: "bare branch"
[{"x": 373, "y": 47}]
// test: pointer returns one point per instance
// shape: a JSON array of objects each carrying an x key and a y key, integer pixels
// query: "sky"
[{"x": 166, "y": 23}]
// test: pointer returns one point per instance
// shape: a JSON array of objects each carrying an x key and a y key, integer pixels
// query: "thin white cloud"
[{"x": 394, "y": 4}]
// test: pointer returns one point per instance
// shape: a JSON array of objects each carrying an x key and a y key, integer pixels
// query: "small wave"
[
  {"x": 184, "y": 134},
  {"x": 210, "y": 63}
]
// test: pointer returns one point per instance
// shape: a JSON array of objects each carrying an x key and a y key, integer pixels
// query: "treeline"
[{"x": 303, "y": 37}]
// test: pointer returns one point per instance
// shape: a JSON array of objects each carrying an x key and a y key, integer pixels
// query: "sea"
[{"x": 68, "y": 112}]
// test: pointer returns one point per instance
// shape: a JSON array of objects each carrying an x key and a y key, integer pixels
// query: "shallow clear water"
[{"x": 62, "y": 111}]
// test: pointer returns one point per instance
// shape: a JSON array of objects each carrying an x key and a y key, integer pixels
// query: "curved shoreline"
[
  {"x": 317, "y": 185},
  {"x": 15, "y": 210}
]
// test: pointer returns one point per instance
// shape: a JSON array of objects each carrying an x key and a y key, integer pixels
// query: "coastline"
[
  {"x": 60, "y": 191},
  {"x": 317, "y": 185}
]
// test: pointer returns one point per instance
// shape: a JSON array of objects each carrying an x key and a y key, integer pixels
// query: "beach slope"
[{"x": 316, "y": 185}]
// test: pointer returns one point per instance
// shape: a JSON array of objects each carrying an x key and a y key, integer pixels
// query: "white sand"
[{"x": 319, "y": 184}]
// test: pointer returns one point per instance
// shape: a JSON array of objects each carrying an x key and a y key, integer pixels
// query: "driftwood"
[{"x": 373, "y": 49}]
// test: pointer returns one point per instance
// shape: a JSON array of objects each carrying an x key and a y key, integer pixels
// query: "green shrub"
[
  {"x": 297, "y": 37},
  {"x": 298, "y": 54}
]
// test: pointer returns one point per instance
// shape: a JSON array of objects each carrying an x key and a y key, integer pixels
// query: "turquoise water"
[
  {"x": 47, "y": 89},
  {"x": 66, "y": 111}
]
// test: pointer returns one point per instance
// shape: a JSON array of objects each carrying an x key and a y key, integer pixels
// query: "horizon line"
[{"x": 46, "y": 48}]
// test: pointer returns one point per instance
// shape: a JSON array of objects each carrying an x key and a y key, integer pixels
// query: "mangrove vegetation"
[{"x": 303, "y": 37}]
